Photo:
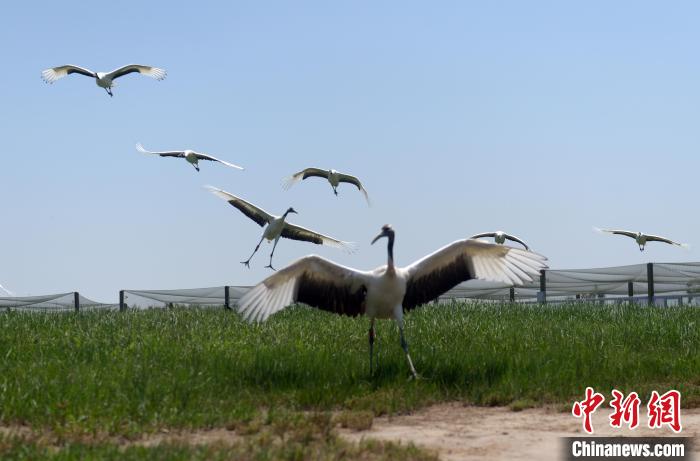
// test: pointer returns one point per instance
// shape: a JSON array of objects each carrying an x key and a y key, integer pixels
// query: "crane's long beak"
[{"x": 381, "y": 234}]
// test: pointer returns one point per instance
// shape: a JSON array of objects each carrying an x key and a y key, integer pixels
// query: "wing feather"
[
  {"x": 516, "y": 239},
  {"x": 170, "y": 153},
  {"x": 468, "y": 259},
  {"x": 301, "y": 175},
  {"x": 354, "y": 180},
  {"x": 55, "y": 73},
  {"x": 656, "y": 238},
  {"x": 311, "y": 280},
  {"x": 619, "y": 232},
  {"x": 483, "y": 235},
  {"x": 201, "y": 156},
  {"x": 153, "y": 72},
  {"x": 258, "y": 215},
  {"x": 294, "y": 232}
]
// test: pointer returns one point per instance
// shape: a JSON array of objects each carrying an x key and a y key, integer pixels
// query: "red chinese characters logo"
[
  {"x": 624, "y": 410},
  {"x": 662, "y": 410},
  {"x": 665, "y": 409},
  {"x": 587, "y": 407}
]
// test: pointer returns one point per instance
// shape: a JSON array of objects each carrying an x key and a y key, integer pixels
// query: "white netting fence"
[
  {"x": 664, "y": 279},
  {"x": 56, "y": 302},
  {"x": 658, "y": 281},
  {"x": 213, "y": 296}
]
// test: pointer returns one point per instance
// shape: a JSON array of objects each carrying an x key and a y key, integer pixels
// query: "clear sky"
[{"x": 539, "y": 118}]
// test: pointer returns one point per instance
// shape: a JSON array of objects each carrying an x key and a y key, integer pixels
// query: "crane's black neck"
[{"x": 390, "y": 250}]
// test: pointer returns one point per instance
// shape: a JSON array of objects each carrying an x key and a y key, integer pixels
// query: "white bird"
[
  {"x": 277, "y": 226},
  {"x": 333, "y": 177},
  {"x": 642, "y": 238},
  {"x": 191, "y": 156},
  {"x": 387, "y": 291},
  {"x": 103, "y": 79},
  {"x": 500, "y": 237}
]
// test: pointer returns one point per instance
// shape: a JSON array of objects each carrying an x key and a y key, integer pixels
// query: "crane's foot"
[
  {"x": 270, "y": 266},
  {"x": 246, "y": 263}
]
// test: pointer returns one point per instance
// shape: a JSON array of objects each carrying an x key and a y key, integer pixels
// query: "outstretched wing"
[
  {"x": 483, "y": 235},
  {"x": 294, "y": 232},
  {"x": 214, "y": 159},
  {"x": 311, "y": 280},
  {"x": 171, "y": 153},
  {"x": 618, "y": 232},
  {"x": 153, "y": 72},
  {"x": 303, "y": 174},
  {"x": 513, "y": 238},
  {"x": 354, "y": 180},
  {"x": 258, "y": 215},
  {"x": 656, "y": 238},
  {"x": 53, "y": 74},
  {"x": 468, "y": 259}
]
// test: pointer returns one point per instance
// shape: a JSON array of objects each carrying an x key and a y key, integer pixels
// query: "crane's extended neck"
[
  {"x": 388, "y": 232},
  {"x": 390, "y": 251},
  {"x": 289, "y": 210}
]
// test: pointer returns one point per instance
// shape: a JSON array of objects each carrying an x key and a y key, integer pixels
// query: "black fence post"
[
  {"x": 76, "y": 301},
  {"x": 227, "y": 298},
  {"x": 512, "y": 294},
  {"x": 630, "y": 289},
  {"x": 543, "y": 287},
  {"x": 122, "y": 305},
  {"x": 650, "y": 283}
]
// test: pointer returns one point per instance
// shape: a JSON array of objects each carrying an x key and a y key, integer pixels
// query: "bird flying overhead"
[
  {"x": 191, "y": 156},
  {"x": 276, "y": 226},
  {"x": 387, "y": 291},
  {"x": 103, "y": 79},
  {"x": 333, "y": 177},
  {"x": 500, "y": 237},
  {"x": 641, "y": 238}
]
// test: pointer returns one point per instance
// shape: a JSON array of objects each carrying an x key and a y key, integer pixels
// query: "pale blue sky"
[{"x": 540, "y": 118}]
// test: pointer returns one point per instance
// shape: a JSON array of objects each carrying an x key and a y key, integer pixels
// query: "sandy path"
[
  {"x": 453, "y": 430},
  {"x": 458, "y": 432}
]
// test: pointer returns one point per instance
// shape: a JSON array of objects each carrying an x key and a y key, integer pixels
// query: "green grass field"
[{"x": 96, "y": 375}]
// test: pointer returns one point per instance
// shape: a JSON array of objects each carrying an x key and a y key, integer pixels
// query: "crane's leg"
[
  {"x": 109, "y": 91},
  {"x": 371, "y": 345},
  {"x": 404, "y": 346},
  {"x": 273, "y": 252},
  {"x": 196, "y": 167},
  {"x": 247, "y": 262},
  {"x": 335, "y": 191}
]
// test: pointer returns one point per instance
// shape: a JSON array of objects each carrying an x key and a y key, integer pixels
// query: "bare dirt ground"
[
  {"x": 458, "y": 432},
  {"x": 455, "y": 432}
]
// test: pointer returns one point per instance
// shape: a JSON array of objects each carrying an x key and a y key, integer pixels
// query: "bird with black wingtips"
[
  {"x": 500, "y": 237},
  {"x": 334, "y": 178},
  {"x": 277, "y": 226},
  {"x": 102, "y": 79},
  {"x": 641, "y": 238},
  {"x": 385, "y": 292},
  {"x": 192, "y": 157}
]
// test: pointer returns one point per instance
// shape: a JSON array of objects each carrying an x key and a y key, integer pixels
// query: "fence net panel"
[
  {"x": 54, "y": 302},
  {"x": 669, "y": 279},
  {"x": 212, "y": 296}
]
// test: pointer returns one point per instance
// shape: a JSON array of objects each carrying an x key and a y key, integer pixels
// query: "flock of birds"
[{"x": 382, "y": 293}]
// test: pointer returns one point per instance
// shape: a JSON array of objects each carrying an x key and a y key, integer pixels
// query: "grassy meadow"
[{"x": 83, "y": 382}]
